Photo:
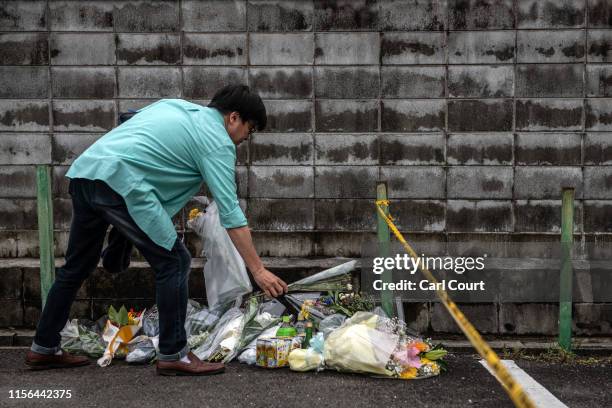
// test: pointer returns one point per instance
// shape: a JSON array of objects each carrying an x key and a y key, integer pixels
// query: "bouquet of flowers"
[
  {"x": 121, "y": 327},
  {"x": 416, "y": 359}
]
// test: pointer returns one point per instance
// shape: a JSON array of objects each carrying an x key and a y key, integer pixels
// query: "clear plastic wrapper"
[
  {"x": 331, "y": 323},
  {"x": 222, "y": 343},
  {"x": 80, "y": 337},
  {"x": 224, "y": 271},
  {"x": 141, "y": 352}
]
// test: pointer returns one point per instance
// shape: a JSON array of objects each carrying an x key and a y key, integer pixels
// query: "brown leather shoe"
[
  {"x": 37, "y": 361},
  {"x": 195, "y": 367}
]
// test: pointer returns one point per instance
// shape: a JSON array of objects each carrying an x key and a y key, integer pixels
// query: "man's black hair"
[{"x": 239, "y": 98}]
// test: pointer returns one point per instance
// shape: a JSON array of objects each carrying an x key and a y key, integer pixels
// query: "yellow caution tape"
[{"x": 514, "y": 389}]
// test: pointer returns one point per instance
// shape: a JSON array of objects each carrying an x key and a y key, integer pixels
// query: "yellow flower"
[
  {"x": 409, "y": 373},
  {"x": 425, "y": 360},
  {"x": 193, "y": 213}
]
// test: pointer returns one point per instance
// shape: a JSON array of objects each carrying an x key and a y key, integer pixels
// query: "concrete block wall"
[{"x": 475, "y": 112}]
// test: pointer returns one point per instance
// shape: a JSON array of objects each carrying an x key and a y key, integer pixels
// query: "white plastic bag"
[{"x": 224, "y": 272}]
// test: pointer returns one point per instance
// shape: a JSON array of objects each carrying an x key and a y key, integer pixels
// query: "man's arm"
[{"x": 271, "y": 284}]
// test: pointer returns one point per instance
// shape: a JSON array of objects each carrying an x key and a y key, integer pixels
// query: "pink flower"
[{"x": 409, "y": 357}]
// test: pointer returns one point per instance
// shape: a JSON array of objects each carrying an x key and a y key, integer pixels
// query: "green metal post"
[
  {"x": 565, "y": 283},
  {"x": 45, "y": 230},
  {"x": 384, "y": 248}
]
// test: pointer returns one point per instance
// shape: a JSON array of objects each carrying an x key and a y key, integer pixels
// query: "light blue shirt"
[{"x": 157, "y": 161}]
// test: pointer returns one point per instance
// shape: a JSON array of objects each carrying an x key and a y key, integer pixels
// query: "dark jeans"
[{"x": 95, "y": 207}]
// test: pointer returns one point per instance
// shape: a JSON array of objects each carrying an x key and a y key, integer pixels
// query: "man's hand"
[{"x": 271, "y": 284}]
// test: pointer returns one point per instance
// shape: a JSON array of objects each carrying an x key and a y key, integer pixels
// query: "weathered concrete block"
[
  {"x": 337, "y": 149},
  {"x": 598, "y": 80},
  {"x": 345, "y": 181},
  {"x": 346, "y": 116},
  {"x": 266, "y": 15},
  {"x": 592, "y": 318},
  {"x": 484, "y": 149},
  {"x": 283, "y": 182},
  {"x": 543, "y": 216},
  {"x": 550, "y": 13},
  {"x": 417, "y": 316},
  {"x": 411, "y": 149},
  {"x": 419, "y": 215},
  {"x": 62, "y": 213},
  {"x": 83, "y": 82},
  {"x": 24, "y": 115},
  {"x": 271, "y": 243},
  {"x": 18, "y": 181},
  {"x": 600, "y": 14},
  {"x": 413, "y": 82},
  {"x": 345, "y": 215},
  {"x": 412, "y": 115},
  {"x": 18, "y": 214},
  {"x": 150, "y": 82},
  {"x": 281, "y": 214},
  {"x": 150, "y": 49},
  {"x": 281, "y": 148},
  {"x": 24, "y": 82},
  {"x": 480, "y": 81},
  {"x": 60, "y": 182},
  {"x": 415, "y": 181},
  {"x": 494, "y": 115},
  {"x": 138, "y": 283},
  {"x": 549, "y": 80},
  {"x": 24, "y": 49},
  {"x": 126, "y": 104},
  {"x": 597, "y": 216},
  {"x": 345, "y": 15},
  {"x": 12, "y": 281},
  {"x": 13, "y": 313},
  {"x": 598, "y": 182},
  {"x": 78, "y": 15},
  {"x": 342, "y": 243},
  {"x": 82, "y": 49},
  {"x": 23, "y": 16},
  {"x": 480, "y": 182},
  {"x": 598, "y": 114},
  {"x": 598, "y": 148},
  {"x": 8, "y": 244},
  {"x": 548, "y": 114},
  {"x": 482, "y": 316},
  {"x": 424, "y": 15},
  {"x": 528, "y": 318},
  {"x": 83, "y": 115},
  {"x": 204, "y": 82},
  {"x": 348, "y": 83},
  {"x": 281, "y": 82},
  {"x": 550, "y": 46},
  {"x": 478, "y": 216},
  {"x": 491, "y": 47},
  {"x": 242, "y": 181},
  {"x": 281, "y": 49},
  {"x": 25, "y": 149},
  {"x": 214, "y": 15},
  {"x": 413, "y": 48},
  {"x": 546, "y": 182},
  {"x": 347, "y": 48},
  {"x": 146, "y": 16},
  {"x": 68, "y": 146},
  {"x": 289, "y": 116},
  {"x": 548, "y": 149},
  {"x": 214, "y": 49},
  {"x": 480, "y": 15}
]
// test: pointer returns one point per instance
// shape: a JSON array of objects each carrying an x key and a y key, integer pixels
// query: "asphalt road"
[{"x": 465, "y": 384}]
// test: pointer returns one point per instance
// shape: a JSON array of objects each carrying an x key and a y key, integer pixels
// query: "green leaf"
[
  {"x": 112, "y": 314},
  {"x": 435, "y": 354},
  {"x": 123, "y": 316}
]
